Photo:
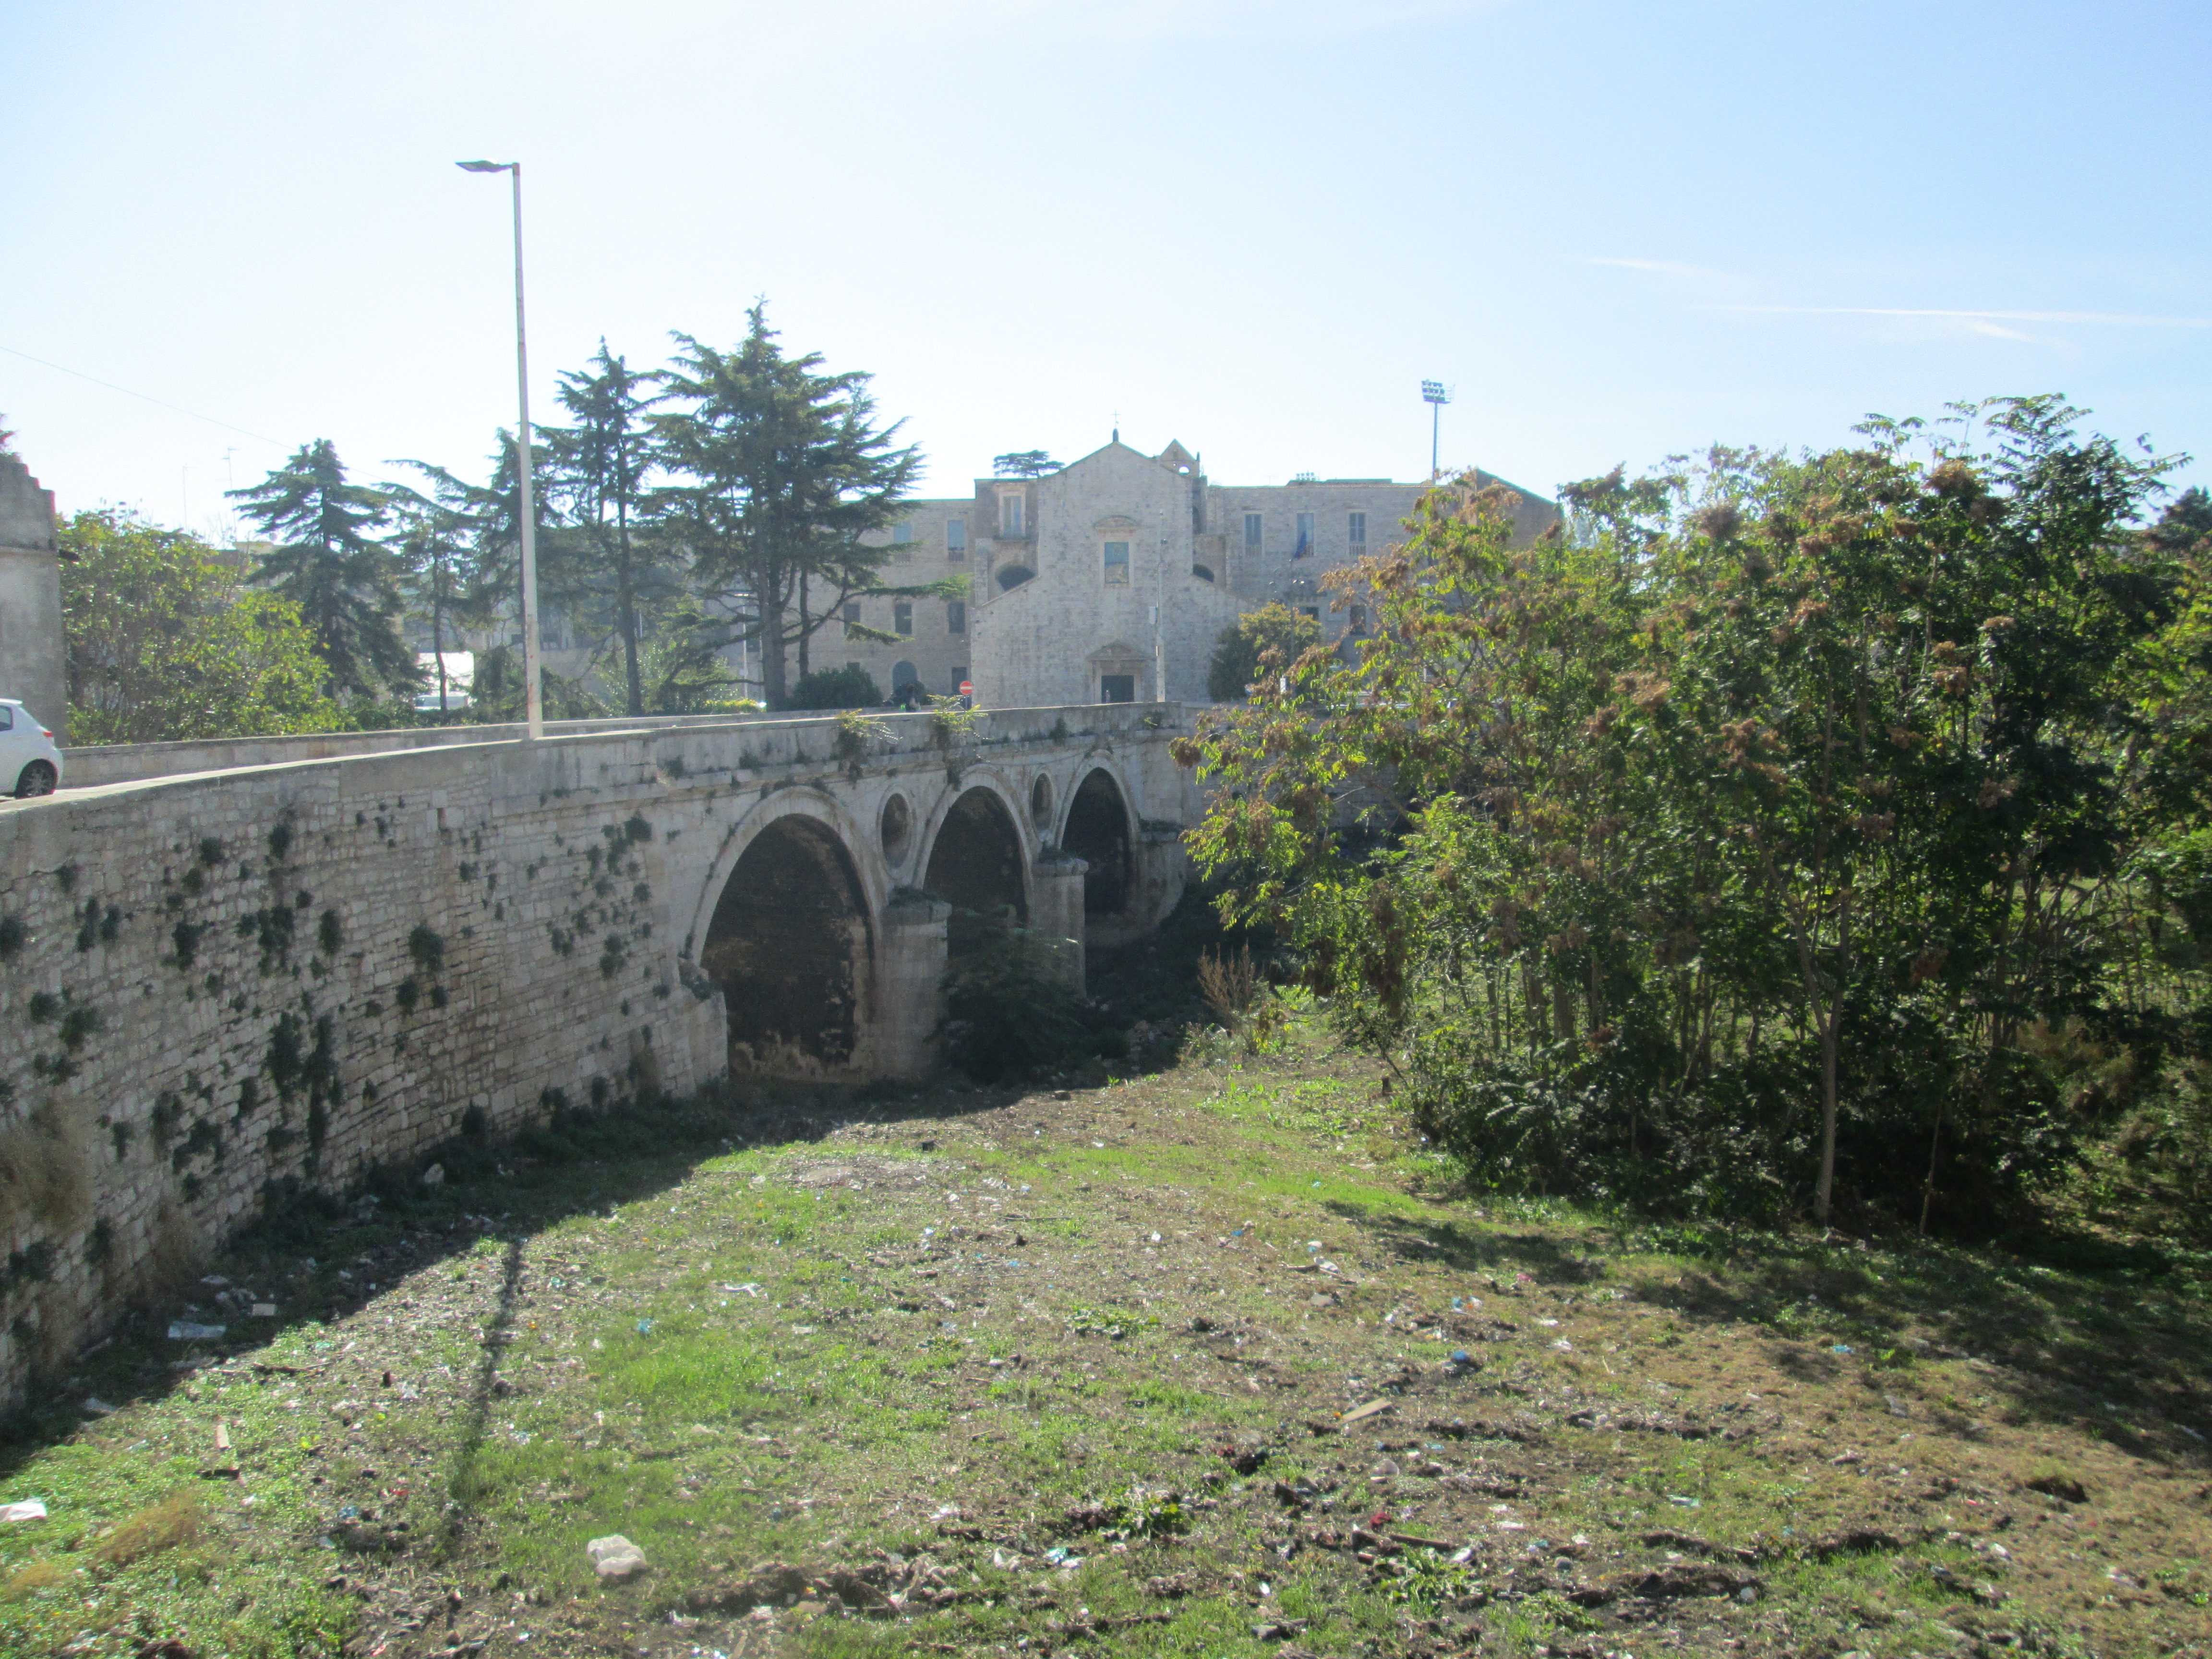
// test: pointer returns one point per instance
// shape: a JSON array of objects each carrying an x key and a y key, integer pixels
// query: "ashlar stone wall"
[{"x": 217, "y": 991}]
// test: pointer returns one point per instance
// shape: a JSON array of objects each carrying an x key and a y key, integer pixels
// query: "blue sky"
[{"x": 1618, "y": 230}]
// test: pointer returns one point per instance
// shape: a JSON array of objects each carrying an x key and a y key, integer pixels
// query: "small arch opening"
[
  {"x": 1204, "y": 573},
  {"x": 1098, "y": 833},
  {"x": 897, "y": 829},
  {"x": 1040, "y": 801},
  {"x": 789, "y": 946}
]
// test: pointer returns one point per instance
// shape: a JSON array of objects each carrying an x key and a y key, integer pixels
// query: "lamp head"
[{"x": 484, "y": 166}]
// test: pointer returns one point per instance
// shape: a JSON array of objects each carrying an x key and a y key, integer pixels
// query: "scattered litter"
[
  {"x": 265, "y": 1310},
  {"x": 1682, "y": 1503},
  {"x": 1312, "y": 1245},
  {"x": 435, "y": 1175},
  {"x": 1563, "y": 1345},
  {"x": 615, "y": 1556},
  {"x": 749, "y": 1288},
  {"x": 95, "y": 1406},
  {"x": 30, "y": 1509},
  {"x": 1361, "y": 1414},
  {"x": 1066, "y": 1560},
  {"x": 1841, "y": 1347},
  {"x": 1550, "y": 1323},
  {"x": 182, "y": 1330},
  {"x": 645, "y": 1327}
]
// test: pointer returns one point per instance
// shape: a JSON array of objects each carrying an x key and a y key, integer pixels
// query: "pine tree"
[
  {"x": 778, "y": 470},
  {"x": 328, "y": 562},
  {"x": 594, "y": 470},
  {"x": 490, "y": 517},
  {"x": 429, "y": 544}
]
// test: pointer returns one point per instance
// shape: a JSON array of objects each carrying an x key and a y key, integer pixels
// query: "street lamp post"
[
  {"x": 1436, "y": 396},
  {"x": 533, "y": 698}
]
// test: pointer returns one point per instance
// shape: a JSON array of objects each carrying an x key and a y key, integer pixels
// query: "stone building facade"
[
  {"x": 1111, "y": 579},
  {"x": 31, "y": 663}
]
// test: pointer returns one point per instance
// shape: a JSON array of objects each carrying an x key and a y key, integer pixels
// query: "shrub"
[{"x": 849, "y": 687}]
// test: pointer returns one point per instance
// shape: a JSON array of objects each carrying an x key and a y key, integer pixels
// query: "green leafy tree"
[
  {"x": 328, "y": 562},
  {"x": 776, "y": 472},
  {"x": 1753, "y": 845},
  {"x": 1024, "y": 463},
  {"x": 1265, "y": 640},
  {"x": 596, "y": 470},
  {"x": 166, "y": 643}
]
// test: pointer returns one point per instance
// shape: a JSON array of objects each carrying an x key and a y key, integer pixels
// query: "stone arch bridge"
[{"x": 318, "y": 956}]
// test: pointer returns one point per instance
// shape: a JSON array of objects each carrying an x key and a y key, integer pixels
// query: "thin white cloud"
[
  {"x": 1667, "y": 268},
  {"x": 2118, "y": 319}
]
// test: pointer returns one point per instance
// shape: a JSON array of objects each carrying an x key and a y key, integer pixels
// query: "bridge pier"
[{"x": 909, "y": 972}]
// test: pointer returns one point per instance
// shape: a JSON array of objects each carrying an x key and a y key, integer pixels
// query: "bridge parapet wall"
[{"x": 220, "y": 990}]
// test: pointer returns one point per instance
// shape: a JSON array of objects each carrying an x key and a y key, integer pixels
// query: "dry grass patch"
[{"x": 176, "y": 1519}]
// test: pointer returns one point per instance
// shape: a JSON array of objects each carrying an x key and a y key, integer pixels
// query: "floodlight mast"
[
  {"x": 1436, "y": 395},
  {"x": 533, "y": 695}
]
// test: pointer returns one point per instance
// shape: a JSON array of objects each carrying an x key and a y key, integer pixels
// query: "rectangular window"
[
  {"x": 1359, "y": 619},
  {"x": 959, "y": 678},
  {"x": 852, "y": 616},
  {"x": 1252, "y": 531},
  {"x": 956, "y": 617},
  {"x": 1356, "y": 532},
  {"x": 956, "y": 538},
  {"x": 1313, "y": 611},
  {"x": 1010, "y": 514},
  {"x": 1305, "y": 535},
  {"x": 902, "y": 532},
  {"x": 1117, "y": 688},
  {"x": 1117, "y": 564},
  {"x": 902, "y": 617}
]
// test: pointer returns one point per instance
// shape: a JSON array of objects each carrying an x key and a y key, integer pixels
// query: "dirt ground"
[{"x": 1208, "y": 1362}]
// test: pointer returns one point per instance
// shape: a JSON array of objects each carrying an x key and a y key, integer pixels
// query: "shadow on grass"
[
  {"x": 331, "y": 1256},
  {"x": 2063, "y": 1345}
]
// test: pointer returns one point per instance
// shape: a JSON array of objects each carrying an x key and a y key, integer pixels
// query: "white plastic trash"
[
  {"x": 614, "y": 1556},
  {"x": 182, "y": 1330},
  {"x": 31, "y": 1509}
]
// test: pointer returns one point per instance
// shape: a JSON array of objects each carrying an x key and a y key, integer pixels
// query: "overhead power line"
[{"x": 143, "y": 396}]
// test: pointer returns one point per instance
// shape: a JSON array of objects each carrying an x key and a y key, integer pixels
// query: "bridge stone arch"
[
  {"x": 977, "y": 857},
  {"x": 1099, "y": 826},
  {"x": 787, "y": 930}
]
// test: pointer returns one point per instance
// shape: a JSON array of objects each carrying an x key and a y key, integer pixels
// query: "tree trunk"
[
  {"x": 438, "y": 639},
  {"x": 626, "y": 598},
  {"x": 768, "y": 625},
  {"x": 1830, "y": 1043},
  {"x": 805, "y": 633}
]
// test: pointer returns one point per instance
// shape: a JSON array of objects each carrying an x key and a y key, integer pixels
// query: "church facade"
[{"x": 1110, "y": 580}]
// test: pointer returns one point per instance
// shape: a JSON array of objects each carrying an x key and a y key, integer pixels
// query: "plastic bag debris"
[
  {"x": 182, "y": 1330},
  {"x": 95, "y": 1406},
  {"x": 615, "y": 1556},
  {"x": 30, "y": 1509}
]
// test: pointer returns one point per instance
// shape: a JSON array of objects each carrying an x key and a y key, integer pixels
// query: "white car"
[{"x": 30, "y": 764}]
